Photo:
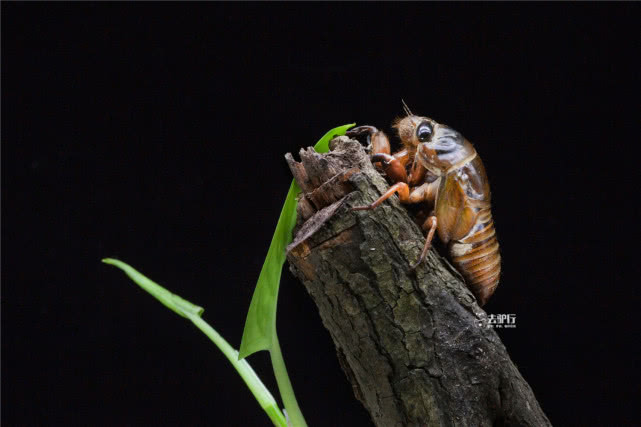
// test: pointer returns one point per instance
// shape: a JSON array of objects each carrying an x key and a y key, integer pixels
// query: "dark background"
[{"x": 155, "y": 133}]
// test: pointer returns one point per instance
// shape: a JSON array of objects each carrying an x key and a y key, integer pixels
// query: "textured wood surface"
[{"x": 414, "y": 344}]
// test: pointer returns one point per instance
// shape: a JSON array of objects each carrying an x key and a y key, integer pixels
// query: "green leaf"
[
  {"x": 181, "y": 306},
  {"x": 260, "y": 325},
  {"x": 193, "y": 313}
]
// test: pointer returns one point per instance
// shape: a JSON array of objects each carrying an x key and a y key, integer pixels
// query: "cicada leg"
[
  {"x": 430, "y": 225},
  {"x": 395, "y": 167},
  {"x": 377, "y": 141},
  {"x": 379, "y": 145},
  {"x": 403, "y": 194}
]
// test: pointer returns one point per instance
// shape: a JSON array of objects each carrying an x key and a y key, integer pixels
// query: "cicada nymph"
[{"x": 439, "y": 168}]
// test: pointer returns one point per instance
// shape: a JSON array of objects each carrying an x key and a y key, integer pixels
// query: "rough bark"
[{"x": 414, "y": 344}]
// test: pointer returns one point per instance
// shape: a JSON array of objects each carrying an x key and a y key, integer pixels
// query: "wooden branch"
[{"x": 414, "y": 345}]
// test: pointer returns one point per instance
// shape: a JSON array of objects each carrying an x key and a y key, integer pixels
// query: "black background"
[{"x": 155, "y": 133}]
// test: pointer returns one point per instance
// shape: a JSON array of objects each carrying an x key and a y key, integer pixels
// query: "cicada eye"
[{"x": 424, "y": 132}]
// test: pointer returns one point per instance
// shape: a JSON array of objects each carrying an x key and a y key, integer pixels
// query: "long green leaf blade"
[
  {"x": 260, "y": 324},
  {"x": 193, "y": 313},
  {"x": 172, "y": 301}
]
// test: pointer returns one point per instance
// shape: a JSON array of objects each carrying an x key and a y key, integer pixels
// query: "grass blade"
[
  {"x": 172, "y": 301},
  {"x": 260, "y": 324},
  {"x": 193, "y": 312}
]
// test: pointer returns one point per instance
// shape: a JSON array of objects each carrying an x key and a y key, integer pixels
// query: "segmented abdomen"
[{"x": 476, "y": 256}]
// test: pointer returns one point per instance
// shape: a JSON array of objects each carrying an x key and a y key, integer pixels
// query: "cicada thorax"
[{"x": 463, "y": 209}]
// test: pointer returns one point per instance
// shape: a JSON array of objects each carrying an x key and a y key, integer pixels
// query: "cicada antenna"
[{"x": 406, "y": 108}]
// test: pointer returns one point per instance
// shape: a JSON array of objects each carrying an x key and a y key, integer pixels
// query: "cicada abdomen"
[
  {"x": 476, "y": 256},
  {"x": 463, "y": 210}
]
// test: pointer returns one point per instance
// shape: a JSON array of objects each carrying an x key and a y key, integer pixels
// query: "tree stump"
[{"x": 414, "y": 344}]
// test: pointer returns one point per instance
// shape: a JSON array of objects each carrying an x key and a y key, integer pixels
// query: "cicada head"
[{"x": 439, "y": 148}]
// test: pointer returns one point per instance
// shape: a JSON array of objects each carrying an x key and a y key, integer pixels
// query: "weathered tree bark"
[{"x": 415, "y": 345}]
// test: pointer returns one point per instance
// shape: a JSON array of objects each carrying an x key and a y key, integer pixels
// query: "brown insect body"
[{"x": 442, "y": 169}]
